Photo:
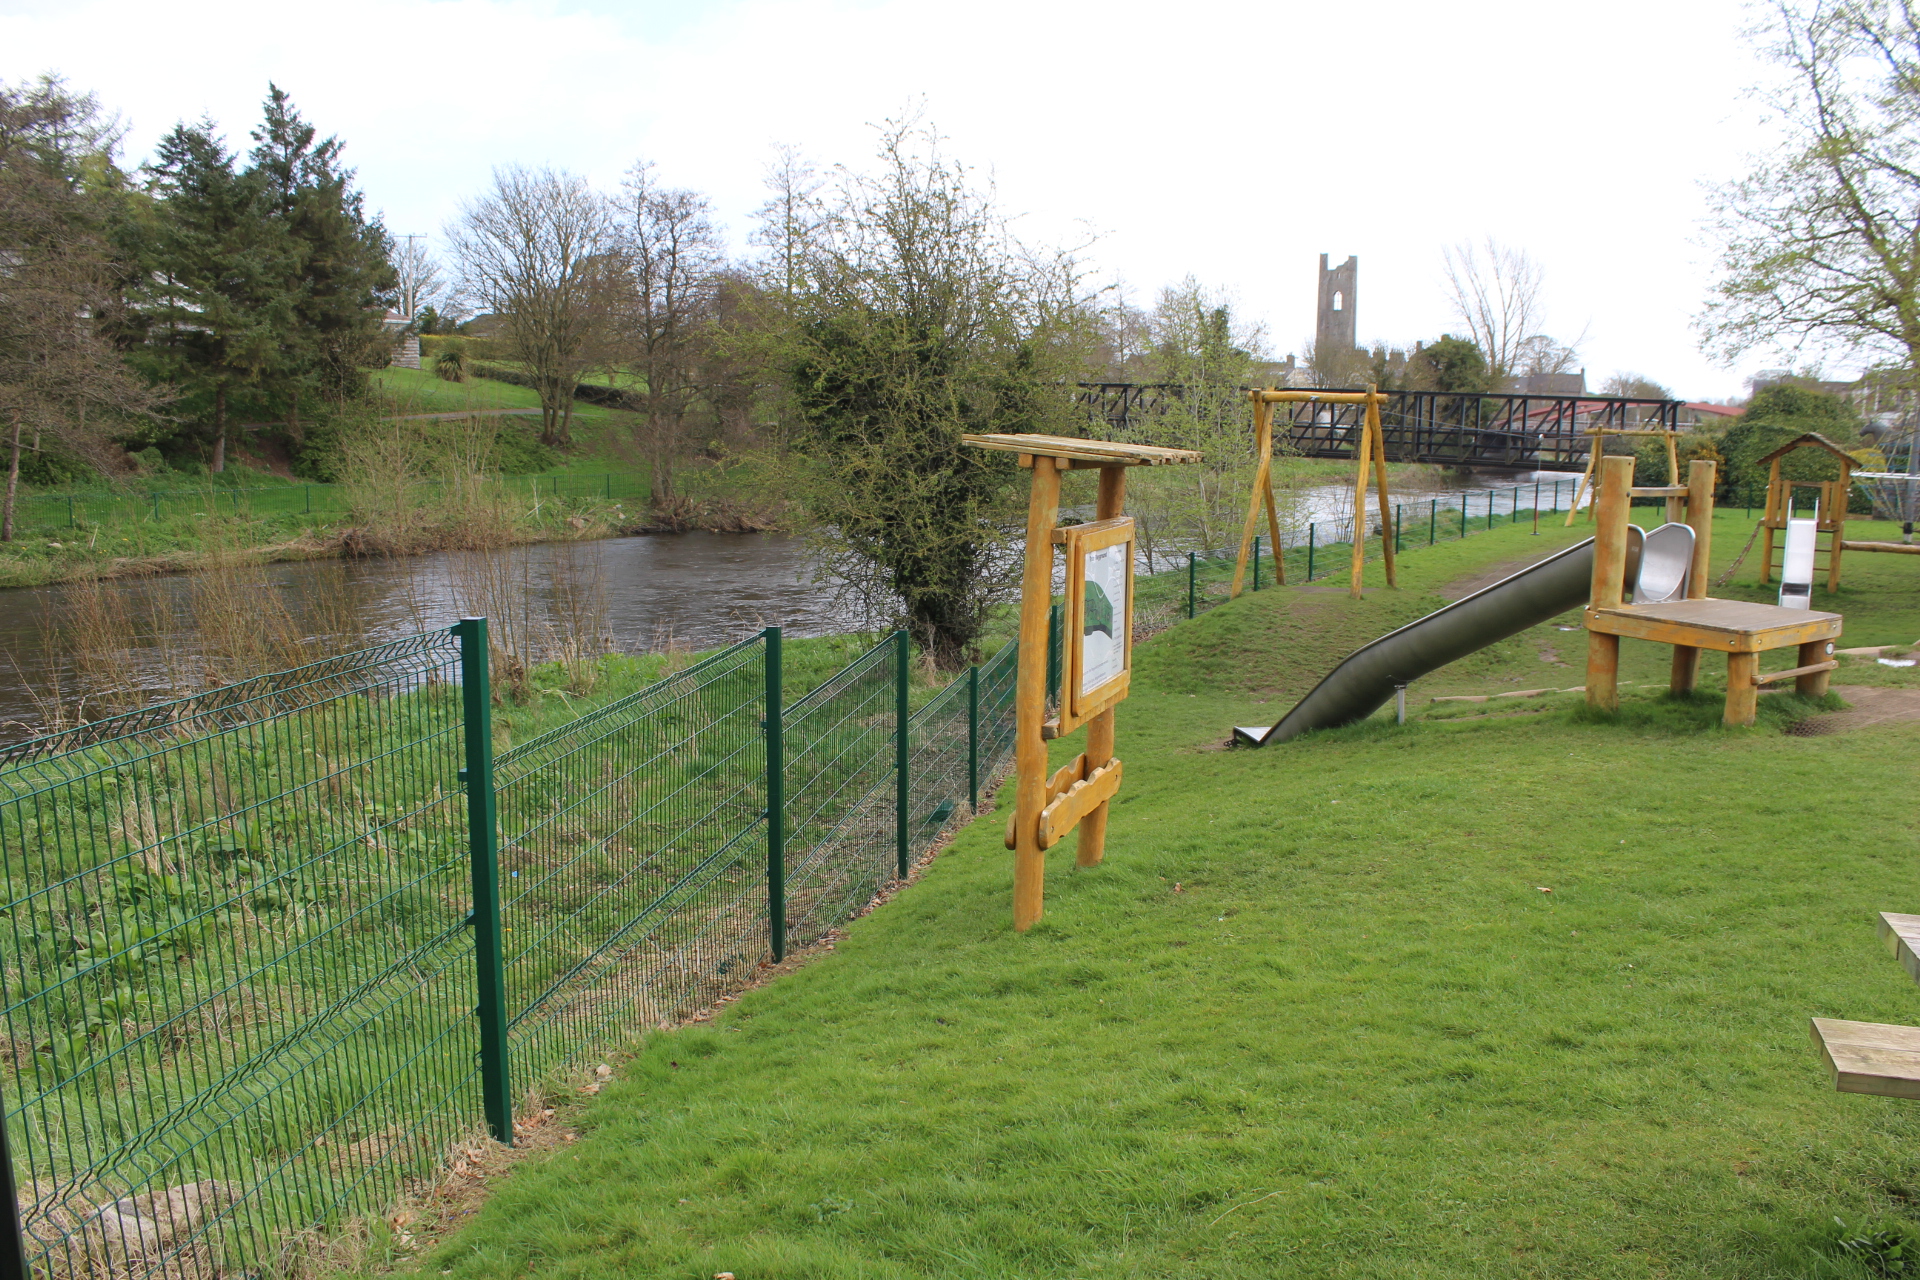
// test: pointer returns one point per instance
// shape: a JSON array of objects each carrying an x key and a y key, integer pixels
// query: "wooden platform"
[
  {"x": 1902, "y": 936},
  {"x": 1729, "y": 626},
  {"x": 1871, "y": 1057}
]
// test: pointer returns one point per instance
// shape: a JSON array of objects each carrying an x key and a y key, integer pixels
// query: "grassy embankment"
[
  {"x": 1318, "y": 1013},
  {"x": 265, "y": 516}
]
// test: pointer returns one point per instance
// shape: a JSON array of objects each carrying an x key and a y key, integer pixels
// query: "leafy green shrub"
[
  {"x": 451, "y": 364},
  {"x": 151, "y": 461}
]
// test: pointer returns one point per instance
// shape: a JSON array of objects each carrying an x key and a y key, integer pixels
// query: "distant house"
[
  {"x": 1698, "y": 415},
  {"x": 1549, "y": 384}
]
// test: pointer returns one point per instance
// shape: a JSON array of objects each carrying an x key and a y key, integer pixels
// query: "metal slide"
[{"x": 1365, "y": 682}]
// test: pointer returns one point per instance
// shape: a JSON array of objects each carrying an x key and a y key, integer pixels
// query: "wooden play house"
[
  {"x": 1098, "y": 652},
  {"x": 1741, "y": 630},
  {"x": 1369, "y": 451},
  {"x": 1831, "y": 499}
]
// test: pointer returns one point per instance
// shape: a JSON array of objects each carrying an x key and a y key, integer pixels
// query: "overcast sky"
[{"x": 1235, "y": 142}]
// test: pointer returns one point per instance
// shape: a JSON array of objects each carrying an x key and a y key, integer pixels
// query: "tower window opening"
[{"x": 1339, "y": 301}]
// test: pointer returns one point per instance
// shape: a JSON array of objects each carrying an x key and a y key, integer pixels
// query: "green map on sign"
[{"x": 1099, "y": 611}]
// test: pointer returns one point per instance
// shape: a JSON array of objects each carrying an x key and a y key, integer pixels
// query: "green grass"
[{"x": 1316, "y": 1015}]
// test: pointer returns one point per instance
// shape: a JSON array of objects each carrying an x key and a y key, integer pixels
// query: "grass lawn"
[{"x": 1318, "y": 1014}]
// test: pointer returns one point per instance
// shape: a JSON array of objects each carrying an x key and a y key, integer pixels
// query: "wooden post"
[
  {"x": 1700, "y": 474},
  {"x": 1380, "y": 471},
  {"x": 1812, "y": 653},
  {"x": 1364, "y": 448},
  {"x": 1609, "y": 580},
  {"x": 1093, "y": 827},
  {"x": 1030, "y": 697},
  {"x": 1835, "y": 509},
  {"x": 1586, "y": 479},
  {"x": 1673, "y": 473},
  {"x": 1262, "y": 488},
  {"x": 1742, "y": 694},
  {"x": 1767, "y": 520}
]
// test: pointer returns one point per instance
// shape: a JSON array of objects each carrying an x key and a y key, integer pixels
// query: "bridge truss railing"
[{"x": 1522, "y": 431}]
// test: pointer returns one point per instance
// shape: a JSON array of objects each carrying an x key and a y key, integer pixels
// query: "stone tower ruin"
[{"x": 1335, "y": 330}]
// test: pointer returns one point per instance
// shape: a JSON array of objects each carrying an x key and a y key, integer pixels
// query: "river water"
[{"x": 692, "y": 590}]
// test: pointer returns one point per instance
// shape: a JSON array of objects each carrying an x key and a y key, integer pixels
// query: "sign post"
[{"x": 1098, "y": 659}]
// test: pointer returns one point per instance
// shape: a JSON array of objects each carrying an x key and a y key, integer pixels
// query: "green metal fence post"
[
  {"x": 1433, "y": 520},
  {"x": 13, "y": 1241},
  {"x": 483, "y": 851},
  {"x": 973, "y": 738},
  {"x": 1310, "y": 532},
  {"x": 1463, "y": 515},
  {"x": 69, "y": 511},
  {"x": 1190, "y": 580},
  {"x": 902, "y": 726},
  {"x": 1256, "y": 562},
  {"x": 309, "y": 489},
  {"x": 776, "y": 801},
  {"x": 1399, "y": 529}
]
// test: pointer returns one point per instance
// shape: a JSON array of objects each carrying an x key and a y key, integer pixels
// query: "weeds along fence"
[
  {"x": 279, "y": 952},
  {"x": 1195, "y": 581},
  {"x": 49, "y": 512}
]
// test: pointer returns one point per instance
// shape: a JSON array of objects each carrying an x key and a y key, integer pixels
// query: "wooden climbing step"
[
  {"x": 1902, "y": 935},
  {"x": 1870, "y": 1057}
]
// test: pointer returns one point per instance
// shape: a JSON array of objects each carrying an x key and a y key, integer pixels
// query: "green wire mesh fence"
[
  {"x": 257, "y": 938},
  {"x": 238, "y": 974}
]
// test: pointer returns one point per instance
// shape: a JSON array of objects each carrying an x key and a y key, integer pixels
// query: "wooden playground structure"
[
  {"x": 1370, "y": 451},
  {"x": 1098, "y": 652},
  {"x": 1741, "y": 630},
  {"x": 1598, "y": 435},
  {"x": 1830, "y": 510}
]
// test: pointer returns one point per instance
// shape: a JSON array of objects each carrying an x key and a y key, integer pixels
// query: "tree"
[
  {"x": 420, "y": 287},
  {"x": 1636, "y": 386},
  {"x": 217, "y": 292},
  {"x": 1452, "y": 365},
  {"x": 1774, "y": 416},
  {"x": 61, "y": 380},
  {"x": 1204, "y": 355},
  {"x": 1497, "y": 293},
  {"x": 534, "y": 250},
  {"x": 339, "y": 278},
  {"x": 1820, "y": 243},
  {"x": 671, "y": 262},
  {"x": 916, "y": 317}
]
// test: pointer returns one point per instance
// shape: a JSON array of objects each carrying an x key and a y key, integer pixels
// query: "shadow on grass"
[{"x": 1701, "y": 711}]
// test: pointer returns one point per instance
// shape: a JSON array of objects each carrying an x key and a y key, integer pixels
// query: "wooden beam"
[
  {"x": 1262, "y": 483},
  {"x": 1082, "y": 798},
  {"x": 1901, "y": 933},
  {"x": 1380, "y": 471},
  {"x": 1093, "y": 827},
  {"x": 1609, "y": 581},
  {"x": 1030, "y": 697},
  {"x": 1365, "y": 449},
  {"x": 1795, "y": 673},
  {"x": 1898, "y": 548},
  {"x": 1874, "y": 1058}
]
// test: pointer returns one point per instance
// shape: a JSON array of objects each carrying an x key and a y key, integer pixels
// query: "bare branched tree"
[
  {"x": 671, "y": 262},
  {"x": 534, "y": 250},
  {"x": 1820, "y": 245},
  {"x": 1496, "y": 294},
  {"x": 61, "y": 382},
  {"x": 422, "y": 284}
]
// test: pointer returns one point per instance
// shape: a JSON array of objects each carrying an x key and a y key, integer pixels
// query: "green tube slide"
[{"x": 1365, "y": 682}]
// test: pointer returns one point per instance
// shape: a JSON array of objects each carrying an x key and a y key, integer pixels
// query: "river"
[{"x": 692, "y": 590}]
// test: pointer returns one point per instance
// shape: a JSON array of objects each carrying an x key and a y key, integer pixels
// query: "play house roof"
[
  {"x": 1811, "y": 440},
  {"x": 1104, "y": 453}
]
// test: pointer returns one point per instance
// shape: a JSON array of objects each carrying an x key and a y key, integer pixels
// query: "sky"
[{"x": 1234, "y": 142}]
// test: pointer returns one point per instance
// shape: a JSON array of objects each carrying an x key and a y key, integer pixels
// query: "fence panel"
[
  {"x": 238, "y": 972},
  {"x": 631, "y": 861},
  {"x": 840, "y": 794}
]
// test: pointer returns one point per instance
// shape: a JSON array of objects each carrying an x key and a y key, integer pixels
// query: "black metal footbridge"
[{"x": 1517, "y": 432}]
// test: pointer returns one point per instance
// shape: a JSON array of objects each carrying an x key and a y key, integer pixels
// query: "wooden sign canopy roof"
[
  {"x": 1082, "y": 453},
  {"x": 1811, "y": 440}
]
